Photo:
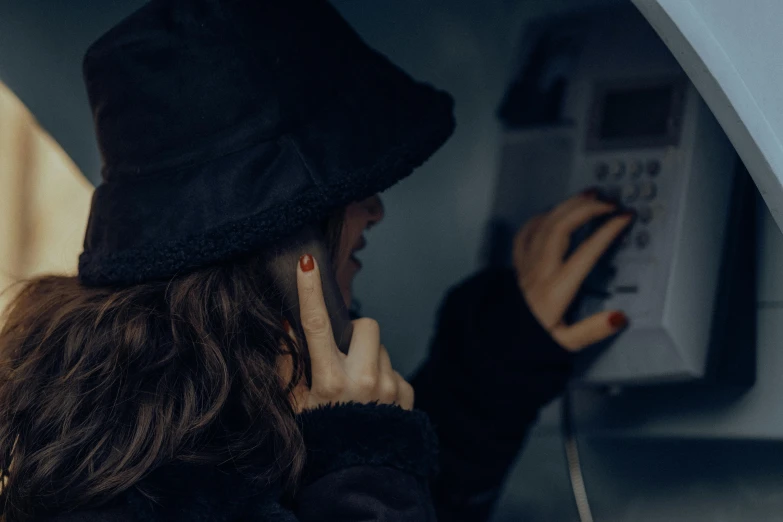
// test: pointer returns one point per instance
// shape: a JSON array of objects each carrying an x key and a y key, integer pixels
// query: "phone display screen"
[{"x": 637, "y": 113}]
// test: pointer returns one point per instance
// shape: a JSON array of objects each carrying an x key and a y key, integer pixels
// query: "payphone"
[{"x": 601, "y": 102}]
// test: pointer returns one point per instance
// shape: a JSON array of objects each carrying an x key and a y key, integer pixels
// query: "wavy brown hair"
[{"x": 101, "y": 386}]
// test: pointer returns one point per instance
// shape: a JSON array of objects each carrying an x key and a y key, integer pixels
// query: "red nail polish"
[
  {"x": 286, "y": 325},
  {"x": 618, "y": 320},
  {"x": 306, "y": 262}
]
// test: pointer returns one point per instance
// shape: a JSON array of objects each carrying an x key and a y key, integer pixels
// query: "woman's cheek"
[{"x": 345, "y": 282}]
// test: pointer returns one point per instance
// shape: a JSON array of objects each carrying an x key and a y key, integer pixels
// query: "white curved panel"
[{"x": 731, "y": 51}]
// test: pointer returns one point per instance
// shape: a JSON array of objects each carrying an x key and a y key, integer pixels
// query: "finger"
[
  {"x": 314, "y": 316},
  {"x": 589, "y": 331},
  {"x": 574, "y": 201},
  {"x": 389, "y": 387},
  {"x": 523, "y": 241},
  {"x": 405, "y": 395},
  {"x": 582, "y": 261},
  {"x": 385, "y": 363},
  {"x": 556, "y": 214},
  {"x": 364, "y": 353},
  {"x": 527, "y": 232},
  {"x": 558, "y": 236}
]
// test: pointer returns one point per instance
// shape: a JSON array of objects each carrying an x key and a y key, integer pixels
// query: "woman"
[{"x": 164, "y": 384}]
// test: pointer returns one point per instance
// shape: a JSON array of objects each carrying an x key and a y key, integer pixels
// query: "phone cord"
[{"x": 572, "y": 458}]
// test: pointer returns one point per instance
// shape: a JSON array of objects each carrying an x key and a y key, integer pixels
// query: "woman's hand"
[
  {"x": 364, "y": 375},
  {"x": 549, "y": 282}
]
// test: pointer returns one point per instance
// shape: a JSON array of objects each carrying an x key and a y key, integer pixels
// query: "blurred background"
[
  {"x": 44, "y": 199},
  {"x": 719, "y": 465}
]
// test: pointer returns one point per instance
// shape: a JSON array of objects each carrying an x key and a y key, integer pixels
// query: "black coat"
[{"x": 490, "y": 370}]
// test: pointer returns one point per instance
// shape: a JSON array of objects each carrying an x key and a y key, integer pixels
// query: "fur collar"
[
  {"x": 336, "y": 437},
  {"x": 190, "y": 493}
]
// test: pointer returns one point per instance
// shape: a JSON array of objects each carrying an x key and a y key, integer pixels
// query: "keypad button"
[
  {"x": 635, "y": 169},
  {"x": 645, "y": 214},
  {"x": 642, "y": 239},
  {"x": 601, "y": 171},
  {"x": 617, "y": 169},
  {"x": 649, "y": 191},
  {"x": 653, "y": 167},
  {"x": 630, "y": 193}
]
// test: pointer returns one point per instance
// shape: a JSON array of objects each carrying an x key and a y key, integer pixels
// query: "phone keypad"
[
  {"x": 617, "y": 170},
  {"x": 645, "y": 214},
  {"x": 631, "y": 183},
  {"x": 601, "y": 171},
  {"x": 612, "y": 192},
  {"x": 648, "y": 191},
  {"x": 630, "y": 193},
  {"x": 635, "y": 169}
]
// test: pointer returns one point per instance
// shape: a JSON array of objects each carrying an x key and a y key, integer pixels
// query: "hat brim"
[{"x": 247, "y": 199}]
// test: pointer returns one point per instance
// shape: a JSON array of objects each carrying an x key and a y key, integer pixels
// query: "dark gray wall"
[
  {"x": 431, "y": 239},
  {"x": 41, "y": 46}
]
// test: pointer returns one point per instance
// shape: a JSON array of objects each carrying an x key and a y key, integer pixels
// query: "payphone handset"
[
  {"x": 623, "y": 117},
  {"x": 281, "y": 263}
]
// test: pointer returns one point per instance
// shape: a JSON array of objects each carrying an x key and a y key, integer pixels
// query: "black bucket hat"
[{"x": 226, "y": 125}]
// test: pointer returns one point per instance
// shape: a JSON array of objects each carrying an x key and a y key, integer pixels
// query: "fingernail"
[
  {"x": 306, "y": 263},
  {"x": 286, "y": 325},
  {"x": 618, "y": 320}
]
